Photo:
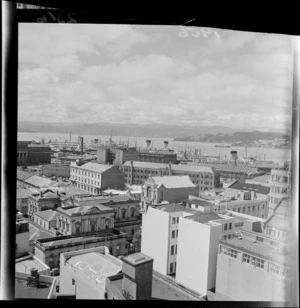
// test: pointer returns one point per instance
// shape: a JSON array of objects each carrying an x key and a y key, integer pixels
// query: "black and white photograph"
[{"x": 154, "y": 162}]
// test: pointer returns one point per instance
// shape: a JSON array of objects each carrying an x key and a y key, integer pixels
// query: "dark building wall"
[{"x": 112, "y": 178}]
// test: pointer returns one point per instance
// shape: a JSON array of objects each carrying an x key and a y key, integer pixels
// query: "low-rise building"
[
  {"x": 49, "y": 249},
  {"x": 95, "y": 178},
  {"x": 136, "y": 173},
  {"x": 22, "y": 200},
  {"x": 58, "y": 170},
  {"x": 46, "y": 219},
  {"x": 35, "y": 181},
  {"x": 44, "y": 200},
  {"x": 166, "y": 188},
  {"x": 83, "y": 272}
]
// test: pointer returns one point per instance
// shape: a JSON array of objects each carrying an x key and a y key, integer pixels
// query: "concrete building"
[
  {"x": 138, "y": 281},
  {"x": 58, "y": 170},
  {"x": 44, "y": 200},
  {"x": 46, "y": 219},
  {"x": 94, "y": 177},
  {"x": 48, "y": 250},
  {"x": 197, "y": 258},
  {"x": 160, "y": 228},
  {"x": 22, "y": 236},
  {"x": 83, "y": 272},
  {"x": 252, "y": 267},
  {"x": 29, "y": 153},
  {"x": 166, "y": 188},
  {"x": 246, "y": 191},
  {"x": 205, "y": 178},
  {"x": 85, "y": 219}
]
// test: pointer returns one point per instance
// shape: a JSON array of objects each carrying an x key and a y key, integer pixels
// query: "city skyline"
[{"x": 154, "y": 75}]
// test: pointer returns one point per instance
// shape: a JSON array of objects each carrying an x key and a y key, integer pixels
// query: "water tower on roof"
[{"x": 233, "y": 157}]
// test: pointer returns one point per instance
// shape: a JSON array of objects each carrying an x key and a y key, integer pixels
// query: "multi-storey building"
[
  {"x": 59, "y": 170},
  {"x": 94, "y": 177},
  {"x": 45, "y": 200},
  {"x": 160, "y": 242},
  {"x": 166, "y": 188},
  {"x": 203, "y": 177},
  {"x": 252, "y": 267},
  {"x": 22, "y": 236},
  {"x": 33, "y": 154}
]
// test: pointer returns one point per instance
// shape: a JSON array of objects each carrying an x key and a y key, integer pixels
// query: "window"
[
  {"x": 173, "y": 234},
  {"x": 176, "y": 233},
  {"x": 254, "y": 261},
  {"x": 172, "y": 250},
  {"x": 176, "y": 250},
  {"x": 238, "y": 209},
  {"x": 263, "y": 206},
  {"x": 259, "y": 239},
  {"x": 225, "y": 237},
  {"x": 230, "y": 226},
  {"x": 244, "y": 210},
  {"x": 277, "y": 269},
  {"x": 171, "y": 267},
  {"x": 229, "y": 236},
  {"x": 177, "y": 219},
  {"x": 228, "y": 251},
  {"x": 225, "y": 227},
  {"x": 173, "y": 220}
]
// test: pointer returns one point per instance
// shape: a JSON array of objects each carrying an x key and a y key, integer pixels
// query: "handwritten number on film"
[
  {"x": 186, "y": 31},
  {"x": 54, "y": 18}
]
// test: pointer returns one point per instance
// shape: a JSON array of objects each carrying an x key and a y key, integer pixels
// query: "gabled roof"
[
  {"x": 84, "y": 210},
  {"x": 47, "y": 215},
  {"x": 173, "y": 181},
  {"x": 38, "y": 181},
  {"x": 23, "y": 193},
  {"x": 260, "y": 189},
  {"x": 36, "y": 233},
  {"x": 93, "y": 167}
]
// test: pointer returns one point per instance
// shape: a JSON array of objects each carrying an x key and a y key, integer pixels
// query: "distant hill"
[
  {"x": 154, "y": 131},
  {"x": 25, "y": 130},
  {"x": 235, "y": 137}
]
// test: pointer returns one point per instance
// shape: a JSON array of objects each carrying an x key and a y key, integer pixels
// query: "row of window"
[
  {"x": 276, "y": 233},
  {"x": 85, "y": 173},
  {"x": 85, "y": 180},
  {"x": 279, "y": 190},
  {"x": 257, "y": 262},
  {"x": 279, "y": 179},
  {"x": 249, "y": 208},
  {"x": 227, "y": 236},
  {"x": 172, "y": 267}
]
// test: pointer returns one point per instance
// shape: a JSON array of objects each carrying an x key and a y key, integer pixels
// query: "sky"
[{"x": 90, "y": 73}]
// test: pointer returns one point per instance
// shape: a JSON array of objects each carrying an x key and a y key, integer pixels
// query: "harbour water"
[{"x": 276, "y": 155}]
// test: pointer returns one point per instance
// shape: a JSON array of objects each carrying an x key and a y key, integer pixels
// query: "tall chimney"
[
  {"x": 80, "y": 141},
  {"x": 166, "y": 143},
  {"x": 137, "y": 276},
  {"x": 234, "y": 157}
]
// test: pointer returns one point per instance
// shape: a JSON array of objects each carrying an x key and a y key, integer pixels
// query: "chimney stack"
[
  {"x": 234, "y": 157},
  {"x": 148, "y": 143},
  {"x": 166, "y": 143},
  {"x": 80, "y": 141}
]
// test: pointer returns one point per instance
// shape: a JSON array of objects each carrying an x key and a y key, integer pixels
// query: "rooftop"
[
  {"x": 24, "y": 265},
  {"x": 184, "y": 167},
  {"x": 257, "y": 248},
  {"x": 137, "y": 258},
  {"x": 47, "y": 215},
  {"x": 23, "y": 193},
  {"x": 175, "y": 207},
  {"x": 37, "y": 233},
  {"x": 22, "y": 290},
  {"x": 260, "y": 189},
  {"x": 260, "y": 179},
  {"x": 38, "y": 181},
  {"x": 173, "y": 181},
  {"x": 198, "y": 202},
  {"x": 95, "y": 266},
  {"x": 96, "y": 167},
  {"x": 86, "y": 209},
  {"x": 204, "y": 217}
]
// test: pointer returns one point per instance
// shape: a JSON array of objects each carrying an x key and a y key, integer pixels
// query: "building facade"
[
  {"x": 205, "y": 178},
  {"x": 166, "y": 188},
  {"x": 46, "y": 219},
  {"x": 22, "y": 237},
  {"x": 47, "y": 200},
  {"x": 94, "y": 177},
  {"x": 58, "y": 170}
]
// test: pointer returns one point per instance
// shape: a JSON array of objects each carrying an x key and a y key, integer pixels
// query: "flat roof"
[
  {"x": 22, "y": 290},
  {"x": 204, "y": 217},
  {"x": 161, "y": 290},
  {"x": 174, "y": 207},
  {"x": 37, "y": 233},
  {"x": 173, "y": 181},
  {"x": 260, "y": 249},
  {"x": 137, "y": 258},
  {"x": 24, "y": 266},
  {"x": 198, "y": 202},
  {"x": 95, "y": 266}
]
